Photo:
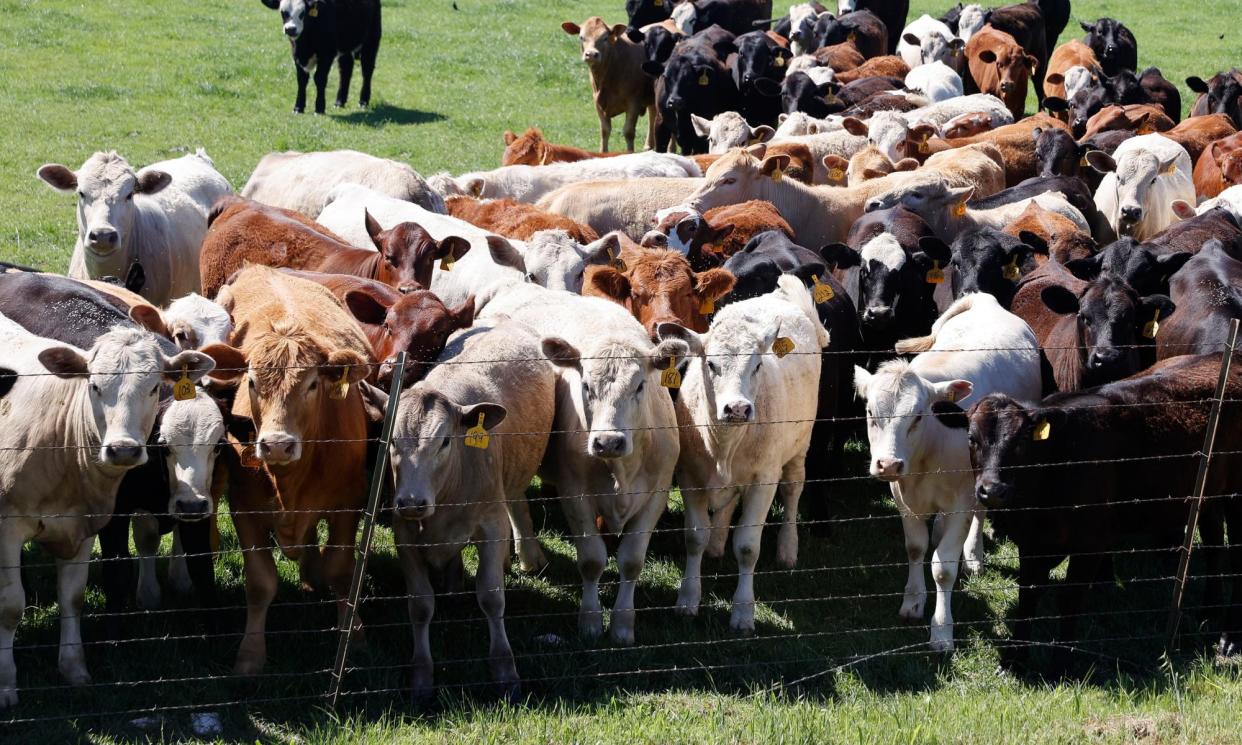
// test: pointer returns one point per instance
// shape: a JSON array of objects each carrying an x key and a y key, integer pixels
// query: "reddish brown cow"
[
  {"x": 515, "y": 220},
  {"x": 1219, "y": 167},
  {"x": 531, "y": 149},
  {"x": 840, "y": 57},
  {"x": 659, "y": 286},
  {"x": 1000, "y": 66},
  {"x": 1197, "y": 132},
  {"x": 708, "y": 240},
  {"x": 414, "y": 322},
  {"x": 1065, "y": 241},
  {"x": 244, "y": 231},
  {"x": 968, "y": 125},
  {"x": 877, "y": 67},
  {"x": 1141, "y": 118},
  {"x": 1015, "y": 141}
]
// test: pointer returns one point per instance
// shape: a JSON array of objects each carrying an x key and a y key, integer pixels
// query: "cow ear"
[
  {"x": 509, "y": 137},
  {"x": 150, "y": 182},
  {"x": 373, "y": 228},
  {"x": 953, "y": 390},
  {"x": 603, "y": 250},
  {"x": 59, "y": 178},
  {"x": 862, "y": 382},
  {"x": 1183, "y": 209},
  {"x": 774, "y": 163},
  {"x": 190, "y": 363},
  {"x": 635, "y": 35},
  {"x": 854, "y": 126},
  {"x": 1196, "y": 84},
  {"x": 950, "y": 415},
  {"x": 668, "y": 331},
  {"x": 1059, "y": 300},
  {"x": 1086, "y": 268},
  {"x": 616, "y": 30},
  {"x": 63, "y": 362},
  {"x": 1152, "y": 303},
  {"x": 135, "y": 278},
  {"x": 669, "y": 353},
  {"x": 838, "y": 168},
  {"x": 571, "y": 28},
  {"x": 922, "y": 131},
  {"x": 714, "y": 284},
  {"x": 1054, "y": 78},
  {"x": 488, "y": 414},
  {"x": 475, "y": 186},
  {"x": 504, "y": 253},
  {"x": 1034, "y": 242},
  {"x": 150, "y": 319},
  {"x": 716, "y": 234},
  {"x": 273, "y": 4},
  {"x": 987, "y": 56},
  {"x": 8, "y": 378},
  {"x": 871, "y": 174},
  {"x": 454, "y": 246},
  {"x": 757, "y": 150},
  {"x": 935, "y": 249},
  {"x": 345, "y": 362},
  {"x": 840, "y": 256},
  {"x": 366, "y": 307},
  {"x": 1169, "y": 263},
  {"x": 762, "y": 133},
  {"x": 463, "y": 315},
  {"x": 1101, "y": 161},
  {"x": 560, "y": 352},
  {"x": 230, "y": 361},
  {"x": 1055, "y": 104},
  {"x": 906, "y": 164},
  {"x": 1032, "y": 62},
  {"x": 911, "y": 39},
  {"x": 702, "y": 127},
  {"x": 606, "y": 282}
]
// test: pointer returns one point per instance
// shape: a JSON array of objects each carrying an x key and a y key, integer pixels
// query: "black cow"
[
  {"x": 1085, "y": 474},
  {"x": 735, "y": 16},
  {"x": 1057, "y": 153},
  {"x": 1120, "y": 89},
  {"x": 758, "y": 70},
  {"x": 986, "y": 260},
  {"x": 1206, "y": 291},
  {"x": 1222, "y": 94},
  {"x": 869, "y": 34},
  {"x": 1140, "y": 265},
  {"x": 800, "y": 93},
  {"x": 1114, "y": 45},
  {"x": 320, "y": 31},
  {"x": 1056, "y": 18},
  {"x": 1161, "y": 93},
  {"x": 658, "y": 43},
  {"x": 645, "y": 12},
  {"x": 892, "y": 12},
  {"x": 695, "y": 80}
]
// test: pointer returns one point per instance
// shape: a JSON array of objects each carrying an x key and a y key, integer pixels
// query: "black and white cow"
[{"x": 320, "y": 31}]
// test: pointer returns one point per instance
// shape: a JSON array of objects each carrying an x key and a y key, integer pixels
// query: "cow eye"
[
  {"x": 94, "y": 389},
  {"x": 314, "y": 384},
  {"x": 640, "y": 387},
  {"x": 530, "y": 277},
  {"x": 714, "y": 368},
  {"x": 392, "y": 259},
  {"x": 447, "y": 440},
  {"x": 284, "y": 14},
  {"x": 129, "y": 197},
  {"x": 155, "y": 390},
  {"x": 81, "y": 195}
]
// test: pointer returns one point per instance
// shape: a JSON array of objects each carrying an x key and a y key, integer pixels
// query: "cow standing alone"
[{"x": 322, "y": 30}]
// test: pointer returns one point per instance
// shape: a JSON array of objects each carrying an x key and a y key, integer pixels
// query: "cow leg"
[
  {"x": 591, "y": 552},
  {"x": 338, "y": 561},
  {"x": 631, "y": 555},
  {"x": 651, "y": 127},
  {"x": 200, "y": 572},
  {"x": 631, "y": 125},
  {"x": 147, "y": 541},
  {"x": 915, "y": 530},
  {"x": 12, "y": 602},
  {"x": 345, "y": 67},
  {"x": 322, "y": 70},
  {"x": 367, "y": 61},
  {"x": 260, "y": 568},
  {"x": 973, "y": 548},
  {"x": 698, "y": 530},
  {"x": 722, "y": 520},
  {"x": 1231, "y": 613},
  {"x": 790, "y": 490},
  {"x": 489, "y": 587},
  {"x": 1032, "y": 584},
  {"x": 945, "y": 561},
  {"x": 1083, "y": 570},
  {"x": 310, "y": 561},
  {"x": 605, "y": 129},
  {"x": 299, "y": 104},
  {"x": 178, "y": 569},
  {"x": 530, "y": 554},
  {"x": 71, "y": 577},
  {"x": 421, "y": 604},
  {"x": 756, "y": 501},
  {"x": 116, "y": 571}
]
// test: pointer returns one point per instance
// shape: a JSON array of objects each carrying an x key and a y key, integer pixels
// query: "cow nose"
[
  {"x": 102, "y": 237},
  {"x": 291, "y": 30},
  {"x": 1006, "y": 87},
  {"x": 609, "y": 444},
  {"x": 278, "y": 448},
  {"x": 1102, "y": 358},
  {"x": 888, "y": 469},
  {"x": 877, "y": 316},
  {"x": 675, "y": 102},
  {"x": 873, "y": 205},
  {"x": 1132, "y": 213},
  {"x": 590, "y": 56},
  {"x": 414, "y": 507},
  {"x": 407, "y": 289},
  {"x": 655, "y": 239},
  {"x": 192, "y": 508},
  {"x": 738, "y": 412},
  {"x": 123, "y": 453},
  {"x": 991, "y": 493}
]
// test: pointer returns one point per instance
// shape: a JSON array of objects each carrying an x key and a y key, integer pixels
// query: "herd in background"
[{"x": 1026, "y": 312}]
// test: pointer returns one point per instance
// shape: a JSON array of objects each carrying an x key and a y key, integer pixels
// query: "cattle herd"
[{"x": 1025, "y": 316}]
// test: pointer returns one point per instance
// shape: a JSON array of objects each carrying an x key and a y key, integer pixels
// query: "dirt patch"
[{"x": 1147, "y": 730}]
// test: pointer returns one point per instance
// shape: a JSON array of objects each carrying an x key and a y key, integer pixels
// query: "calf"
[
  {"x": 758, "y": 69},
  {"x": 243, "y": 231},
  {"x": 1141, "y": 118},
  {"x": 890, "y": 133},
  {"x": 514, "y": 219},
  {"x": 862, "y": 28},
  {"x": 1025, "y": 23},
  {"x": 986, "y": 260},
  {"x": 467, "y": 441},
  {"x": 1064, "y": 240},
  {"x": 1114, "y": 45},
  {"x": 152, "y": 220},
  {"x": 618, "y": 85},
  {"x": 1221, "y": 94},
  {"x": 529, "y": 184},
  {"x": 928, "y": 40},
  {"x": 659, "y": 286},
  {"x": 1001, "y": 67},
  {"x": 710, "y": 239},
  {"x": 735, "y": 378},
  {"x": 892, "y": 12},
  {"x": 1071, "y": 476},
  {"x": 194, "y": 321},
  {"x": 303, "y": 182},
  {"x": 876, "y": 67},
  {"x": 1141, "y": 181},
  {"x": 1219, "y": 166},
  {"x": 531, "y": 149},
  {"x": 320, "y": 31},
  {"x": 926, "y": 462}
]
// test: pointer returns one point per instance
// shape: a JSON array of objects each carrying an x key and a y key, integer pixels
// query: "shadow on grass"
[{"x": 384, "y": 114}]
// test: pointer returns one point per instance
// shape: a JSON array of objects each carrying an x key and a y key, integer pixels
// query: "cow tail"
[{"x": 919, "y": 344}]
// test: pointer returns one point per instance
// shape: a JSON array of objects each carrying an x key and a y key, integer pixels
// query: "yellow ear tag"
[
  {"x": 669, "y": 377},
  {"x": 959, "y": 209},
  {"x": 1043, "y": 431},
  {"x": 777, "y": 174},
  {"x": 1172, "y": 169},
  {"x": 779, "y": 61},
  {"x": 935, "y": 275},
  {"x": 1011, "y": 271},
  {"x": 476, "y": 436},
  {"x": 951, "y": 396},
  {"x": 707, "y": 307},
  {"x": 782, "y": 346},
  {"x": 313, "y": 12},
  {"x": 830, "y": 99},
  {"x": 1083, "y": 162},
  {"x": 183, "y": 389},
  {"x": 659, "y": 3},
  {"x": 1152, "y": 327},
  {"x": 853, "y": 37},
  {"x": 340, "y": 388},
  {"x": 703, "y": 79},
  {"x": 446, "y": 264},
  {"x": 924, "y": 148},
  {"x": 616, "y": 261},
  {"x": 820, "y": 293},
  {"x": 836, "y": 174}
]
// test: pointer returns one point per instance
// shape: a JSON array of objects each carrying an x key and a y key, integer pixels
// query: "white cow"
[
  {"x": 972, "y": 18},
  {"x": 936, "y": 80},
  {"x": 194, "y": 322},
  {"x": 745, "y": 417},
  {"x": 1229, "y": 199},
  {"x": 940, "y": 113},
  {"x": 976, "y": 347},
  {"x": 66, "y": 441},
  {"x": 729, "y": 130},
  {"x": 302, "y": 181},
  {"x": 530, "y": 183},
  {"x": 926, "y": 40},
  {"x": 615, "y": 444},
  {"x": 154, "y": 219},
  {"x": 802, "y": 18},
  {"x": 1142, "y": 179}
]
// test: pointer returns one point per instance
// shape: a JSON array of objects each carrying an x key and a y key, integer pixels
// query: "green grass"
[{"x": 155, "y": 79}]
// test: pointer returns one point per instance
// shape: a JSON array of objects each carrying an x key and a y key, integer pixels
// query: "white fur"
[
  {"x": 1139, "y": 160},
  {"x": 936, "y": 80}
]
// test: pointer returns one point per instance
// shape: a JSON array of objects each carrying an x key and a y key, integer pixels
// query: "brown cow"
[
  {"x": 659, "y": 286},
  {"x": 840, "y": 57},
  {"x": 304, "y": 355},
  {"x": 1016, "y": 143},
  {"x": 1142, "y": 118},
  {"x": 516, "y": 220},
  {"x": 1000, "y": 66},
  {"x": 618, "y": 84},
  {"x": 877, "y": 67},
  {"x": 1065, "y": 241},
  {"x": 708, "y": 240},
  {"x": 1197, "y": 132},
  {"x": 415, "y": 322},
  {"x": 1072, "y": 53},
  {"x": 244, "y": 231},
  {"x": 968, "y": 125},
  {"x": 531, "y": 149},
  {"x": 1219, "y": 167}
]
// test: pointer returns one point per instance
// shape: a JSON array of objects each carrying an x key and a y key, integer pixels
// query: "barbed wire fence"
[{"x": 814, "y": 622}]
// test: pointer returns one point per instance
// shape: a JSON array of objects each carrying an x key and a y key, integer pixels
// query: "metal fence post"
[
  {"x": 368, "y": 531},
  {"x": 1205, "y": 459}
]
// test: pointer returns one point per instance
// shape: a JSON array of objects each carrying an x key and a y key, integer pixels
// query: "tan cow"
[{"x": 618, "y": 83}]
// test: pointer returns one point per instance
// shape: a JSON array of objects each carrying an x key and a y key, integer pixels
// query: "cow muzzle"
[
  {"x": 278, "y": 448},
  {"x": 992, "y": 493},
  {"x": 103, "y": 240},
  {"x": 192, "y": 508},
  {"x": 654, "y": 239},
  {"x": 292, "y": 31},
  {"x": 740, "y": 411},
  {"x": 1130, "y": 217},
  {"x": 124, "y": 453},
  {"x": 411, "y": 507},
  {"x": 609, "y": 445},
  {"x": 888, "y": 469},
  {"x": 877, "y": 316}
]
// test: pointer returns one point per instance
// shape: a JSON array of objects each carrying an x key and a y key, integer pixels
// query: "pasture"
[{"x": 830, "y": 661}]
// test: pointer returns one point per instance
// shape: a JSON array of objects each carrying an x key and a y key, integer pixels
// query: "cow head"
[
  {"x": 597, "y": 37},
  {"x": 968, "y": 125},
  {"x": 1056, "y": 152},
  {"x": 661, "y": 287},
  {"x": 294, "y": 384},
  {"x": 645, "y": 12},
  {"x": 417, "y": 323},
  {"x": 1143, "y": 267},
  {"x": 409, "y": 253},
  {"x": 729, "y": 130},
  {"x": 888, "y": 276},
  {"x": 802, "y": 19},
  {"x": 189, "y": 437},
  {"x": 125, "y": 370},
  {"x": 934, "y": 201},
  {"x": 106, "y": 187},
  {"x": 800, "y": 93},
  {"x": 936, "y": 47},
  {"x": 295, "y": 14},
  {"x": 890, "y": 133},
  {"x": 739, "y": 176},
  {"x": 759, "y": 64},
  {"x": 1113, "y": 44},
  {"x": 1220, "y": 95},
  {"x": 658, "y": 43},
  {"x": 1005, "y": 439},
  {"x": 194, "y": 321},
  {"x": 1135, "y": 175},
  {"x": 1014, "y": 67},
  {"x": 553, "y": 259},
  {"x": 526, "y": 149},
  {"x": 617, "y": 376},
  {"x": 901, "y": 422},
  {"x": 428, "y": 448},
  {"x": 1110, "y": 316},
  {"x": 980, "y": 260}
]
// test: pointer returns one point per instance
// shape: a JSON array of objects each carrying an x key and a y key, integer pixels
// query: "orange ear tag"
[
  {"x": 669, "y": 377},
  {"x": 340, "y": 388},
  {"x": 476, "y": 436},
  {"x": 959, "y": 210},
  {"x": 1152, "y": 327},
  {"x": 836, "y": 174},
  {"x": 935, "y": 275},
  {"x": 707, "y": 307},
  {"x": 820, "y": 292},
  {"x": 782, "y": 346},
  {"x": 183, "y": 389},
  {"x": 1043, "y": 431},
  {"x": 1011, "y": 271}
]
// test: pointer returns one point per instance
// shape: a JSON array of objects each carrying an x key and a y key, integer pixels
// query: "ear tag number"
[
  {"x": 1043, "y": 431},
  {"x": 314, "y": 11},
  {"x": 821, "y": 293},
  {"x": 1152, "y": 327},
  {"x": 924, "y": 148},
  {"x": 836, "y": 174},
  {"x": 782, "y": 346},
  {"x": 340, "y": 388},
  {"x": 183, "y": 389},
  {"x": 446, "y": 264},
  {"x": 669, "y": 377},
  {"x": 1011, "y": 271},
  {"x": 779, "y": 61},
  {"x": 476, "y": 436},
  {"x": 707, "y": 307},
  {"x": 935, "y": 275}
]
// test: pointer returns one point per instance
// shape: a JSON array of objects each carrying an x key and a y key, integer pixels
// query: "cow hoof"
[
  {"x": 248, "y": 667},
  {"x": 364, "y": 103},
  {"x": 941, "y": 645},
  {"x": 743, "y": 625},
  {"x": 299, "y": 110},
  {"x": 511, "y": 692},
  {"x": 338, "y": 104},
  {"x": 422, "y": 697},
  {"x": 591, "y": 628},
  {"x": 787, "y": 560},
  {"x": 622, "y": 637},
  {"x": 533, "y": 562},
  {"x": 76, "y": 676},
  {"x": 687, "y": 609},
  {"x": 8, "y": 697}
]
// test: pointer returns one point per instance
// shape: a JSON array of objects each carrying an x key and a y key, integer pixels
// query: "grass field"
[{"x": 155, "y": 79}]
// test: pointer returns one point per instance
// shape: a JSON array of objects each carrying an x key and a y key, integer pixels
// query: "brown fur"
[
  {"x": 1139, "y": 117},
  {"x": 1006, "y": 76},
  {"x": 659, "y": 286},
  {"x": 1219, "y": 166},
  {"x": 840, "y": 57},
  {"x": 1065, "y": 241},
  {"x": 877, "y": 67},
  {"x": 515, "y": 220},
  {"x": 1072, "y": 53},
  {"x": 531, "y": 149},
  {"x": 1197, "y": 132},
  {"x": 1015, "y": 141}
]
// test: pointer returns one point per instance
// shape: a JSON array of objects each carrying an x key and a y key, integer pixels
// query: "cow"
[
  {"x": 1142, "y": 118},
  {"x": 890, "y": 133},
  {"x": 1205, "y": 291},
  {"x": 1143, "y": 266},
  {"x": 1002, "y": 67},
  {"x": 758, "y": 69},
  {"x": 616, "y": 444},
  {"x": 1219, "y": 166},
  {"x": 194, "y": 321},
  {"x": 1114, "y": 45},
  {"x": 694, "y": 80},
  {"x": 659, "y": 286},
  {"x": 616, "y": 205},
  {"x": 298, "y": 357},
  {"x": 467, "y": 441},
  {"x": 618, "y": 85},
  {"x": 320, "y": 31},
  {"x": 303, "y": 181},
  {"x": 925, "y": 462},
  {"x": 244, "y": 231},
  {"x": 1142, "y": 178},
  {"x": 986, "y": 260},
  {"x": 892, "y": 12},
  {"x": 734, "y": 16},
  {"x": 514, "y": 219},
  {"x": 1220, "y": 94},
  {"x": 1065, "y": 242},
  {"x": 936, "y": 80},
  {"x": 710, "y": 239},
  {"x": 531, "y": 149},
  {"x": 928, "y": 40},
  {"x": 1072, "y": 53},
  {"x": 1075, "y": 473},
  {"x": 151, "y": 220},
  {"x": 73, "y": 423},
  {"x": 1025, "y": 23},
  {"x": 529, "y": 184},
  {"x": 741, "y": 396},
  {"x": 1161, "y": 92}
]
